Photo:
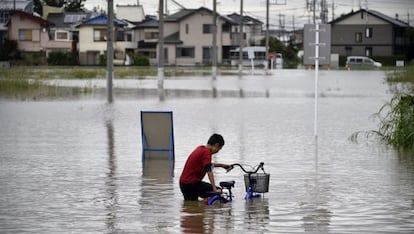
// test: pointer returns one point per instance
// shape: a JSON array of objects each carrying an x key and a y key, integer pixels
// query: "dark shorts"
[{"x": 194, "y": 191}]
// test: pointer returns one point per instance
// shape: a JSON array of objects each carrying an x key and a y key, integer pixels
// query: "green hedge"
[{"x": 62, "y": 58}]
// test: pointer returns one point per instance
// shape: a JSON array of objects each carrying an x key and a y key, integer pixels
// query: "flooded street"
[{"x": 74, "y": 165}]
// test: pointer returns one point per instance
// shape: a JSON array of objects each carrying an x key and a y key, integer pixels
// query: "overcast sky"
[{"x": 291, "y": 12}]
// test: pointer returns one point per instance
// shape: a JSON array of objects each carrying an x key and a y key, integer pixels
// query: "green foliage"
[
  {"x": 402, "y": 81},
  {"x": 34, "y": 58},
  {"x": 74, "y": 5},
  {"x": 388, "y": 60},
  {"x": 62, "y": 58},
  {"x": 55, "y": 3},
  {"x": 70, "y": 5},
  {"x": 289, "y": 52},
  {"x": 396, "y": 117},
  {"x": 397, "y": 126},
  {"x": 102, "y": 60},
  {"x": 139, "y": 60},
  {"x": 8, "y": 50},
  {"x": 37, "y": 7}
]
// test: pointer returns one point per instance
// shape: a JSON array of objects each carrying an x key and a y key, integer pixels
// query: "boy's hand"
[{"x": 217, "y": 190}]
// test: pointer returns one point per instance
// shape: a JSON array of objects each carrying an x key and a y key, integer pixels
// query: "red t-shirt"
[{"x": 195, "y": 167}]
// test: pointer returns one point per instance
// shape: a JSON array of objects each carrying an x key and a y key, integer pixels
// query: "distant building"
[
  {"x": 8, "y": 5},
  {"x": 93, "y": 40},
  {"x": 368, "y": 33}
]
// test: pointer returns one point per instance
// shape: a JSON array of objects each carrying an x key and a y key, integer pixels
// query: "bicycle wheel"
[{"x": 214, "y": 199}]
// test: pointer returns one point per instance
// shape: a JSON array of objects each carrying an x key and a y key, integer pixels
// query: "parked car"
[{"x": 361, "y": 61}]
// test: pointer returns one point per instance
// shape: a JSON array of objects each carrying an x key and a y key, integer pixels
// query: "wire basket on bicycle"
[
  {"x": 255, "y": 182},
  {"x": 258, "y": 182}
]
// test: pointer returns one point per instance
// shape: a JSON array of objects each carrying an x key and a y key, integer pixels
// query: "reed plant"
[{"x": 396, "y": 117}]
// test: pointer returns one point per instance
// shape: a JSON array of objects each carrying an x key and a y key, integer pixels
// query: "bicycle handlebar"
[{"x": 260, "y": 166}]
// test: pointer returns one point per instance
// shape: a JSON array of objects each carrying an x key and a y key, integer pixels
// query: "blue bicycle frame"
[{"x": 227, "y": 185}]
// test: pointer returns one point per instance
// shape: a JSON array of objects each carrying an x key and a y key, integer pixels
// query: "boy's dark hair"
[{"x": 216, "y": 139}]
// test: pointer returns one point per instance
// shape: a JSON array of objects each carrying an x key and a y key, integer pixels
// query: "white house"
[{"x": 93, "y": 40}]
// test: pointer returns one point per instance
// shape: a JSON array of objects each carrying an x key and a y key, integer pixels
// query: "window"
[
  {"x": 62, "y": 36},
  {"x": 348, "y": 50},
  {"x": 368, "y": 33},
  {"x": 151, "y": 35},
  {"x": 186, "y": 29},
  {"x": 25, "y": 35},
  {"x": 99, "y": 34},
  {"x": 207, "y": 53},
  {"x": 226, "y": 28},
  {"x": 368, "y": 51},
  {"x": 358, "y": 37},
  {"x": 4, "y": 16},
  {"x": 185, "y": 52},
  {"x": 207, "y": 28}
]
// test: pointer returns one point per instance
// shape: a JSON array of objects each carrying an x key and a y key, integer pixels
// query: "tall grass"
[
  {"x": 35, "y": 89},
  {"x": 396, "y": 117},
  {"x": 55, "y": 72}
]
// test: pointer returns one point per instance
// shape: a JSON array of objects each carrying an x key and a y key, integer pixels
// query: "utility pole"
[
  {"x": 314, "y": 11},
  {"x": 241, "y": 37},
  {"x": 160, "y": 79},
  {"x": 214, "y": 49},
  {"x": 267, "y": 37},
  {"x": 110, "y": 51}
]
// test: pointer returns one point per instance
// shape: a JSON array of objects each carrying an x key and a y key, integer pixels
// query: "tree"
[
  {"x": 289, "y": 52},
  {"x": 74, "y": 5},
  {"x": 38, "y": 8},
  {"x": 8, "y": 50},
  {"x": 55, "y": 3},
  {"x": 70, "y": 5}
]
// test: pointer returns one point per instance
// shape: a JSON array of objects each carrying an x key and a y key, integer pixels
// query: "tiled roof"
[
  {"x": 373, "y": 13},
  {"x": 102, "y": 20},
  {"x": 37, "y": 19},
  {"x": 148, "y": 23}
]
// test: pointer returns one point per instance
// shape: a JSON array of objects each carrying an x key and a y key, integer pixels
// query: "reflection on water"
[
  {"x": 194, "y": 219},
  {"x": 74, "y": 165},
  {"x": 316, "y": 210},
  {"x": 111, "y": 186},
  {"x": 257, "y": 215}
]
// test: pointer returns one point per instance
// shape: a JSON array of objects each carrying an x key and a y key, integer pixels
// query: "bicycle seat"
[{"x": 227, "y": 184}]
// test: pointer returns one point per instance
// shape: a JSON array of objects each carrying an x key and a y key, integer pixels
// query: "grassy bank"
[
  {"x": 37, "y": 72},
  {"x": 79, "y": 72},
  {"x": 24, "y": 89}
]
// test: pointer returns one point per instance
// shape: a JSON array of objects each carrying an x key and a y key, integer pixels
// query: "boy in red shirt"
[{"x": 197, "y": 166}]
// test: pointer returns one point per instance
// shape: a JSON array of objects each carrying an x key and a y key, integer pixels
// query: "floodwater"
[{"x": 74, "y": 165}]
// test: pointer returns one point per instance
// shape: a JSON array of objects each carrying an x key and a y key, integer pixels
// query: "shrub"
[
  {"x": 139, "y": 60},
  {"x": 62, "y": 58}
]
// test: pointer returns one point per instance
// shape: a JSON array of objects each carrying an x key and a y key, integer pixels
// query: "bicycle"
[{"x": 255, "y": 183}]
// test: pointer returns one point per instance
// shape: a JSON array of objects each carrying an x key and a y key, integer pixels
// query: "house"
[
  {"x": 252, "y": 29},
  {"x": 368, "y": 33},
  {"x": 93, "y": 40},
  {"x": 146, "y": 36},
  {"x": 63, "y": 28},
  {"x": 8, "y": 5},
  {"x": 188, "y": 36},
  {"x": 32, "y": 33}
]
